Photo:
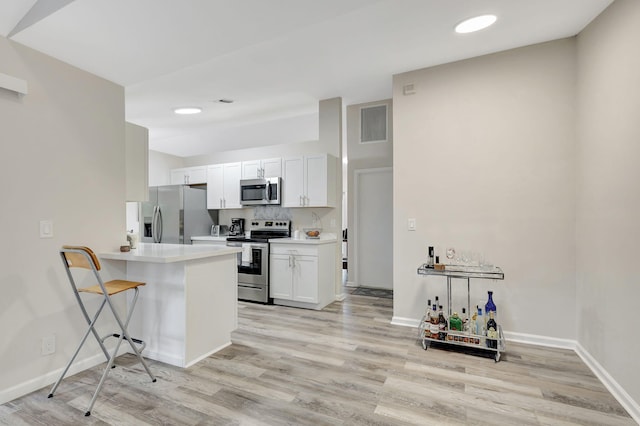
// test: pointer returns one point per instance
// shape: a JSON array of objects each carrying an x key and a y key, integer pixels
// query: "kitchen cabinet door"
[
  {"x": 215, "y": 187},
  {"x": 251, "y": 169},
  {"x": 293, "y": 182},
  {"x": 258, "y": 169},
  {"x": 309, "y": 181},
  {"x": 196, "y": 175},
  {"x": 272, "y": 167},
  {"x": 280, "y": 276},
  {"x": 231, "y": 181},
  {"x": 223, "y": 186},
  {"x": 189, "y": 175},
  {"x": 305, "y": 279},
  {"x": 315, "y": 181}
]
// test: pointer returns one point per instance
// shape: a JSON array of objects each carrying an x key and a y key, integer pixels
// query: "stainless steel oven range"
[{"x": 253, "y": 260}]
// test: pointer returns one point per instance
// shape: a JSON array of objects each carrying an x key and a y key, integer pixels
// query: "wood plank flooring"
[{"x": 345, "y": 365}]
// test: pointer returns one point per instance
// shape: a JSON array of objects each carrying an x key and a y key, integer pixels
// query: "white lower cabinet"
[{"x": 303, "y": 275}]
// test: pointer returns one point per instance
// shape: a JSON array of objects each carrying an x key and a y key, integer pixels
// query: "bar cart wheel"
[{"x": 425, "y": 345}]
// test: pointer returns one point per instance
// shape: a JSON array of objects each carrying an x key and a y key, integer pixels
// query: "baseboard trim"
[
  {"x": 405, "y": 322},
  {"x": 618, "y": 392},
  {"x": 534, "y": 339},
  {"x": 49, "y": 378},
  {"x": 340, "y": 297}
]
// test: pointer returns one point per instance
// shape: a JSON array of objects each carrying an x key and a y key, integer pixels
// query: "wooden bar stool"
[{"x": 83, "y": 257}]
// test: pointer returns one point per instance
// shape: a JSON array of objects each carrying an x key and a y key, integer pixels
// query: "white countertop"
[
  {"x": 324, "y": 239},
  {"x": 167, "y": 253},
  {"x": 209, "y": 238}
]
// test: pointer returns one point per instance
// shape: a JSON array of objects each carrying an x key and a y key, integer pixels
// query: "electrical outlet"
[
  {"x": 411, "y": 224},
  {"x": 48, "y": 344}
]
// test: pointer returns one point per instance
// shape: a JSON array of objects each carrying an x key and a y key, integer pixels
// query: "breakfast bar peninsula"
[{"x": 188, "y": 308}]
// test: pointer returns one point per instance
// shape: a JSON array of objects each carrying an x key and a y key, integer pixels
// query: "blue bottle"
[{"x": 490, "y": 307}]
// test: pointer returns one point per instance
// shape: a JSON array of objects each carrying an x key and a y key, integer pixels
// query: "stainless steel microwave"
[{"x": 259, "y": 192}]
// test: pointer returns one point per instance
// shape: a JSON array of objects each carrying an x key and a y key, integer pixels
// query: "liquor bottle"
[
  {"x": 442, "y": 325},
  {"x": 430, "y": 257},
  {"x": 492, "y": 331},
  {"x": 427, "y": 312},
  {"x": 465, "y": 325},
  {"x": 490, "y": 307},
  {"x": 455, "y": 322},
  {"x": 426, "y": 321},
  {"x": 480, "y": 325},
  {"x": 434, "y": 327}
]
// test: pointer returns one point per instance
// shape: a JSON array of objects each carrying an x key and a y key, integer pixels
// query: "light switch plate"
[
  {"x": 411, "y": 224},
  {"x": 46, "y": 229}
]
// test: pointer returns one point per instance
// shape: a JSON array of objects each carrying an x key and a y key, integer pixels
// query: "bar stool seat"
[{"x": 85, "y": 258}]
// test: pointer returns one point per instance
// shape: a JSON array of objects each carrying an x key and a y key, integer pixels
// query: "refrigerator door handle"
[
  {"x": 153, "y": 223},
  {"x": 159, "y": 225}
]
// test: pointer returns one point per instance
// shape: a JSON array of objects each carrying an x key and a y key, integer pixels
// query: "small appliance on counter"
[
  {"x": 237, "y": 226},
  {"x": 219, "y": 230}
]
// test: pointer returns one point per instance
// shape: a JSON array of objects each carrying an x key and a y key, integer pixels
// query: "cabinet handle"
[
  {"x": 300, "y": 203},
  {"x": 220, "y": 202},
  {"x": 289, "y": 261}
]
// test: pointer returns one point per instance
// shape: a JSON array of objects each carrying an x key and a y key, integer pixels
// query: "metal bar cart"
[{"x": 462, "y": 338}]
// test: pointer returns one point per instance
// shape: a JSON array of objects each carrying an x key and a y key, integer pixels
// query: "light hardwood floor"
[{"x": 343, "y": 365}]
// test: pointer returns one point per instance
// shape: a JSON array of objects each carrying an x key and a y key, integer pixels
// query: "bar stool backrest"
[{"x": 84, "y": 259}]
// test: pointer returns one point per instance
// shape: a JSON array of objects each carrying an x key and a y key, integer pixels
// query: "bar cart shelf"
[{"x": 461, "y": 338}]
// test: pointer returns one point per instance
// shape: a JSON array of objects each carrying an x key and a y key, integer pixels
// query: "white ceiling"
[{"x": 275, "y": 58}]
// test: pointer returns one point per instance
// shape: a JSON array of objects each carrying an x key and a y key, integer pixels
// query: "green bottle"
[{"x": 455, "y": 323}]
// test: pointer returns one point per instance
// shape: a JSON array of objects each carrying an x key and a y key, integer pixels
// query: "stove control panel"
[{"x": 270, "y": 224}]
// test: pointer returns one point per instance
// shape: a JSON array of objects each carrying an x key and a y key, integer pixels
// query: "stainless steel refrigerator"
[{"x": 175, "y": 213}]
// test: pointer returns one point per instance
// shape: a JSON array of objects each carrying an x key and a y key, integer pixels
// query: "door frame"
[{"x": 353, "y": 243}]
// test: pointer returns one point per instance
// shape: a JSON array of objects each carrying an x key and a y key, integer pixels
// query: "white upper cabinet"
[
  {"x": 189, "y": 175},
  {"x": 309, "y": 181},
  {"x": 223, "y": 186},
  {"x": 256, "y": 169}
]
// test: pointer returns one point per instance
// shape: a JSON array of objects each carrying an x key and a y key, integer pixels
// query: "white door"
[
  {"x": 373, "y": 237},
  {"x": 272, "y": 167},
  {"x": 292, "y": 182},
  {"x": 250, "y": 169},
  {"x": 305, "y": 279},
  {"x": 215, "y": 187},
  {"x": 315, "y": 180},
  {"x": 280, "y": 277},
  {"x": 232, "y": 173},
  {"x": 178, "y": 177},
  {"x": 196, "y": 175}
]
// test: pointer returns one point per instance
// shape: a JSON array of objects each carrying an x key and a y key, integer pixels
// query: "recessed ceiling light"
[
  {"x": 475, "y": 24},
  {"x": 188, "y": 110}
]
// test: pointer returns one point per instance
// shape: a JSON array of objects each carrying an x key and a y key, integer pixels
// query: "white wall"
[
  {"x": 160, "y": 165},
  {"x": 608, "y": 202},
  {"x": 484, "y": 160},
  {"x": 63, "y": 155}
]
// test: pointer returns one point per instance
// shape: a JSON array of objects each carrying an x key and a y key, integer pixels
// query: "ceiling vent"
[{"x": 373, "y": 124}]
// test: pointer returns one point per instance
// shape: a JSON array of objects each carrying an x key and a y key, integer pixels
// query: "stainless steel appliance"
[
  {"x": 237, "y": 226},
  {"x": 258, "y": 192},
  {"x": 175, "y": 213},
  {"x": 253, "y": 261}
]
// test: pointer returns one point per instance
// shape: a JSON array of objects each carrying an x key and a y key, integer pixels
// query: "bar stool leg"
[
  {"x": 124, "y": 333},
  {"x": 84, "y": 339}
]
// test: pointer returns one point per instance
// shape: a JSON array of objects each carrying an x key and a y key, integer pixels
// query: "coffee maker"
[{"x": 237, "y": 226}]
